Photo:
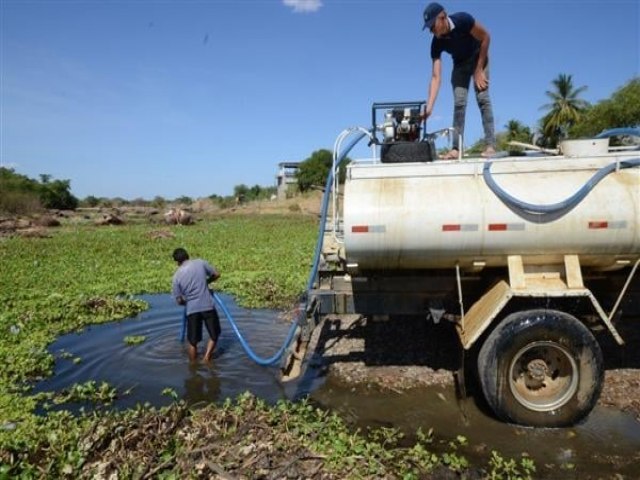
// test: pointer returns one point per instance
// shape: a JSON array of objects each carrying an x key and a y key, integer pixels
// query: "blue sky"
[{"x": 138, "y": 98}]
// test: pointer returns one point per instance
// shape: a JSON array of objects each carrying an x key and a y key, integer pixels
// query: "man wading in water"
[{"x": 191, "y": 288}]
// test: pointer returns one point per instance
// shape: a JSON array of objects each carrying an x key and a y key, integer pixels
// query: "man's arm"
[
  {"x": 176, "y": 291},
  {"x": 480, "y": 33},
  {"x": 434, "y": 86}
]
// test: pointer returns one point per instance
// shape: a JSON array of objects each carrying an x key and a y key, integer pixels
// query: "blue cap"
[{"x": 430, "y": 13}]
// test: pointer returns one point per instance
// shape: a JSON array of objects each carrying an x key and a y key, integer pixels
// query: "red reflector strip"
[
  {"x": 497, "y": 227},
  {"x": 504, "y": 227},
  {"x": 460, "y": 227},
  {"x": 598, "y": 225},
  {"x": 360, "y": 229}
]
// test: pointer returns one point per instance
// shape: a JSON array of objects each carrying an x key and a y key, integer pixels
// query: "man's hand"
[
  {"x": 426, "y": 113},
  {"x": 480, "y": 79},
  {"x": 180, "y": 300}
]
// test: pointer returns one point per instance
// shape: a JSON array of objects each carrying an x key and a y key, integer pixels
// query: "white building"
[{"x": 286, "y": 176}]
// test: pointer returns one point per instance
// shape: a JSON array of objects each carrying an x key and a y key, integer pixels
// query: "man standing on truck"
[
  {"x": 467, "y": 41},
  {"x": 191, "y": 288}
]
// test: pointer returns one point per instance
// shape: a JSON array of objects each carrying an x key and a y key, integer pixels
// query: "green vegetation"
[
  {"x": 621, "y": 110},
  {"x": 314, "y": 170},
  {"x": 569, "y": 116},
  {"x": 564, "y": 111},
  {"x": 21, "y": 194},
  {"x": 244, "y": 193},
  {"x": 242, "y": 438},
  {"x": 134, "y": 339},
  {"x": 88, "y": 275}
]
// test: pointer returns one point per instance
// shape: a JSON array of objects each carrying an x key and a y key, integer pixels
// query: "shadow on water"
[{"x": 607, "y": 442}]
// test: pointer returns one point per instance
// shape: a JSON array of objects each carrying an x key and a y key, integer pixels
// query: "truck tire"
[
  {"x": 407, "y": 152},
  {"x": 541, "y": 368}
]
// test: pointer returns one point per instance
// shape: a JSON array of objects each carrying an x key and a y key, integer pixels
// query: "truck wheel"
[
  {"x": 541, "y": 368},
  {"x": 407, "y": 152}
]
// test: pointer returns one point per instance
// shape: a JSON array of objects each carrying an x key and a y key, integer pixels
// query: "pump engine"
[
  {"x": 402, "y": 124},
  {"x": 403, "y": 138}
]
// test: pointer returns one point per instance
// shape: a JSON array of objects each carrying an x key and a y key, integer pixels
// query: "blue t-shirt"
[
  {"x": 190, "y": 283},
  {"x": 459, "y": 42}
]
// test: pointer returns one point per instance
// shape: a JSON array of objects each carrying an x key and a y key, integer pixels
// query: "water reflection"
[{"x": 201, "y": 387}]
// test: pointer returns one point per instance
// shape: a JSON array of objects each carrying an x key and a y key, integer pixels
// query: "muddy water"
[{"x": 607, "y": 443}]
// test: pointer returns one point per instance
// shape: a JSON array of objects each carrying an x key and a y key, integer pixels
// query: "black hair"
[{"x": 180, "y": 255}]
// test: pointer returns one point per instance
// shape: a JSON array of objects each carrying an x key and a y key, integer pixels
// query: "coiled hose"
[
  {"x": 312, "y": 275},
  {"x": 549, "y": 213}
]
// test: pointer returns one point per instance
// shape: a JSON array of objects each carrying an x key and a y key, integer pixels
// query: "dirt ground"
[
  {"x": 400, "y": 354},
  {"x": 42, "y": 224}
]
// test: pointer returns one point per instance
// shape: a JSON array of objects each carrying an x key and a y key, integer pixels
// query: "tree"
[
  {"x": 158, "y": 202},
  {"x": 19, "y": 193},
  {"x": 91, "y": 201},
  {"x": 622, "y": 109},
  {"x": 240, "y": 192},
  {"x": 314, "y": 170},
  {"x": 57, "y": 194},
  {"x": 516, "y": 131},
  {"x": 564, "y": 110}
]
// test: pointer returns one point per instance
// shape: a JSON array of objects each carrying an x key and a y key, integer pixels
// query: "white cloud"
[{"x": 303, "y": 6}]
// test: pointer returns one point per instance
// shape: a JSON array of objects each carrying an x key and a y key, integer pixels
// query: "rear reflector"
[
  {"x": 598, "y": 225},
  {"x": 497, "y": 227},
  {"x": 506, "y": 227},
  {"x": 460, "y": 227},
  {"x": 368, "y": 229}
]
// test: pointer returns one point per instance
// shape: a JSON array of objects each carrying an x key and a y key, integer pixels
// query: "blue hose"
[
  {"x": 312, "y": 275},
  {"x": 549, "y": 213}
]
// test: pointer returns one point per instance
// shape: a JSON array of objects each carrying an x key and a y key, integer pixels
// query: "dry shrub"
[{"x": 19, "y": 203}]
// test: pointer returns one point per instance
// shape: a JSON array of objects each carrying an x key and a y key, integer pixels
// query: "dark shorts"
[{"x": 194, "y": 325}]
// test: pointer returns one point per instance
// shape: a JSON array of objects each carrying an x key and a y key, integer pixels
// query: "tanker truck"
[{"x": 527, "y": 255}]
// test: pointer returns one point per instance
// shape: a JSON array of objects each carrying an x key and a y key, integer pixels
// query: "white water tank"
[{"x": 443, "y": 213}]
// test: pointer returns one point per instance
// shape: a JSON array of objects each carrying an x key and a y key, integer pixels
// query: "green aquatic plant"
[
  {"x": 134, "y": 339},
  {"x": 510, "y": 469},
  {"x": 85, "y": 275}
]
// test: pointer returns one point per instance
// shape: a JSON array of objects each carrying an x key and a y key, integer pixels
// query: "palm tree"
[
  {"x": 517, "y": 131},
  {"x": 565, "y": 108}
]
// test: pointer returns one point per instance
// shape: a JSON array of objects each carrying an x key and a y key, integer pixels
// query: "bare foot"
[
  {"x": 488, "y": 152},
  {"x": 450, "y": 155}
]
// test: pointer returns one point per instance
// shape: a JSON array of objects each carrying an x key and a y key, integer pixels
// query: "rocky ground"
[
  {"x": 43, "y": 223},
  {"x": 400, "y": 354}
]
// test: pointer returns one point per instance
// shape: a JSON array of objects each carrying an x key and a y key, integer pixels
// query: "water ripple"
[{"x": 161, "y": 360}]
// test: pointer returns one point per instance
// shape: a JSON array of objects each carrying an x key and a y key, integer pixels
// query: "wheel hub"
[
  {"x": 543, "y": 376},
  {"x": 535, "y": 374}
]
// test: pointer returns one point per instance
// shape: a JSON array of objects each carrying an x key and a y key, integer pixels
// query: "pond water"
[
  {"x": 607, "y": 442},
  {"x": 161, "y": 361}
]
